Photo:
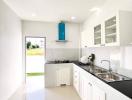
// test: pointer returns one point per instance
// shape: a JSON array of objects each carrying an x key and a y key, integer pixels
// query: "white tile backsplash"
[
  {"x": 62, "y": 54},
  {"x": 101, "y": 53},
  {"x": 120, "y": 57}
]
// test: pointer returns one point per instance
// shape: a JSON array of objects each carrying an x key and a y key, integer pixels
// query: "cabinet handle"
[
  {"x": 90, "y": 84},
  {"x": 130, "y": 43},
  {"x": 75, "y": 82},
  {"x": 75, "y": 71},
  {"x": 102, "y": 45},
  {"x": 75, "y": 76}
]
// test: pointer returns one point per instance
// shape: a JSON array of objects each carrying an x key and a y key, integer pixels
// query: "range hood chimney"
[{"x": 61, "y": 32}]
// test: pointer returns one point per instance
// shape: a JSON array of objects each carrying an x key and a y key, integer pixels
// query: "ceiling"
[{"x": 54, "y": 10}]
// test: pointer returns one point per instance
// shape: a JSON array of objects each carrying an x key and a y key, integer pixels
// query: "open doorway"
[{"x": 35, "y": 60}]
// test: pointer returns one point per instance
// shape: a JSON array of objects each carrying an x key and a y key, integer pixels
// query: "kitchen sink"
[
  {"x": 111, "y": 77},
  {"x": 94, "y": 70},
  {"x": 99, "y": 71},
  {"x": 105, "y": 74}
]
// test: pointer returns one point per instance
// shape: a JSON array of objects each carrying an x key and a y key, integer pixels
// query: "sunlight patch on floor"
[{"x": 35, "y": 88}]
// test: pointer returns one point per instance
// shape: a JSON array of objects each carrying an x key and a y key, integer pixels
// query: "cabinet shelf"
[
  {"x": 111, "y": 34},
  {"x": 111, "y": 27},
  {"x": 96, "y": 38},
  {"x": 96, "y": 32}
]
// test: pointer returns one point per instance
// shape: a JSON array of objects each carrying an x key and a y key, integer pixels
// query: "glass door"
[
  {"x": 110, "y": 30},
  {"x": 97, "y": 34}
]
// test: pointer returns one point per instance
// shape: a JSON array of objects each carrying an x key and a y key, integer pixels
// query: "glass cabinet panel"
[
  {"x": 110, "y": 30},
  {"x": 97, "y": 34}
]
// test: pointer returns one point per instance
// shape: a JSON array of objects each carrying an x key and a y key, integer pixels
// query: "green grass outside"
[
  {"x": 35, "y": 74},
  {"x": 36, "y": 51}
]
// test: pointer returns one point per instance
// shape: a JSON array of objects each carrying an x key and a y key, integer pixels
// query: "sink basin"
[
  {"x": 110, "y": 77},
  {"x": 99, "y": 71},
  {"x": 86, "y": 67},
  {"x": 94, "y": 70},
  {"x": 105, "y": 74}
]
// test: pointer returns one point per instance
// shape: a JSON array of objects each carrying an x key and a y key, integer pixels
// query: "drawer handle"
[
  {"x": 102, "y": 45},
  {"x": 90, "y": 84},
  {"x": 75, "y": 71},
  {"x": 75, "y": 76}
]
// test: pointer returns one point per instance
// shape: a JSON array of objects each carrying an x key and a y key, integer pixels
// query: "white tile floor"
[
  {"x": 61, "y": 93},
  {"x": 35, "y": 88},
  {"x": 35, "y": 91}
]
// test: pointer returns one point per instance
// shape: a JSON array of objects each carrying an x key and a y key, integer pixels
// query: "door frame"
[{"x": 26, "y": 47}]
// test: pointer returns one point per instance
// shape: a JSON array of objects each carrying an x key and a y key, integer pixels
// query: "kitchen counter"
[
  {"x": 54, "y": 62},
  {"x": 124, "y": 86}
]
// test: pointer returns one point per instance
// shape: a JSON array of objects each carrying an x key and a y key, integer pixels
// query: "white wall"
[
  {"x": 105, "y": 53},
  {"x": 126, "y": 61},
  {"x": 121, "y": 55},
  {"x": 108, "y": 10},
  {"x": 10, "y": 52},
  {"x": 55, "y": 50}
]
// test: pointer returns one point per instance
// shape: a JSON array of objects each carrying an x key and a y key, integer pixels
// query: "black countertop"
[
  {"x": 124, "y": 86},
  {"x": 60, "y": 62}
]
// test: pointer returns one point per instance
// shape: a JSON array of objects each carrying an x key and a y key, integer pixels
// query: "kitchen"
[{"x": 90, "y": 52}]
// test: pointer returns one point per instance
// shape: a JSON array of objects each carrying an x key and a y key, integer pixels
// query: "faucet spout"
[{"x": 110, "y": 69}]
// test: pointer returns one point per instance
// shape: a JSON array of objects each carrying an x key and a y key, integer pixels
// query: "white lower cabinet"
[
  {"x": 87, "y": 85},
  {"x": 98, "y": 94},
  {"x": 58, "y": 74},
  {"x": 89, "y": 91},
  {"x": 90, "y": 87},
  {"x": 76, "y": 78},
  {"x": 63, "y": 76},
  {"x": 85, "y": 88}
]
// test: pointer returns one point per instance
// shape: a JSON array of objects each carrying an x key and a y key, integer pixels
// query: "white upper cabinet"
[
  {"x": 87, "y": 38},
  {"x": 118, "y": 30},
  {"x": 97, "y": 35},
  {"x": 124, "y": 25},
  {"x": 113, "y": 31},
  {"x": 106, "y": 34},
  {"x": 84, "y": 39}
]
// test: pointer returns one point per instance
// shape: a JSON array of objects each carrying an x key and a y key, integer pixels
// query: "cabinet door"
[
  {"x": 84, "y": 39},
  {"x": 87, "y": 38},
  {"x": 63, "y": 76},
  {"x": 98, "y": 94},
  {"x": 88, "y": 91},
  {"x": 97, "y": 35},
  {"x": 85, "y": 88},
  {"x": 76, "y": 78},
  {"x": 111, "y": 30}
]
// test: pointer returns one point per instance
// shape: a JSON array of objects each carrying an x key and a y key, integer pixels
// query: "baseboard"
[{"x": 19, "y": 94}]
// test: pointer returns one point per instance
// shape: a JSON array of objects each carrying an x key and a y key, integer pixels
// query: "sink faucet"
[{"x": 110, "y": 69}]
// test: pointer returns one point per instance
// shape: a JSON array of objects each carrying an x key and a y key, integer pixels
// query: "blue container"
[{"x": 61, "y": 29}]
